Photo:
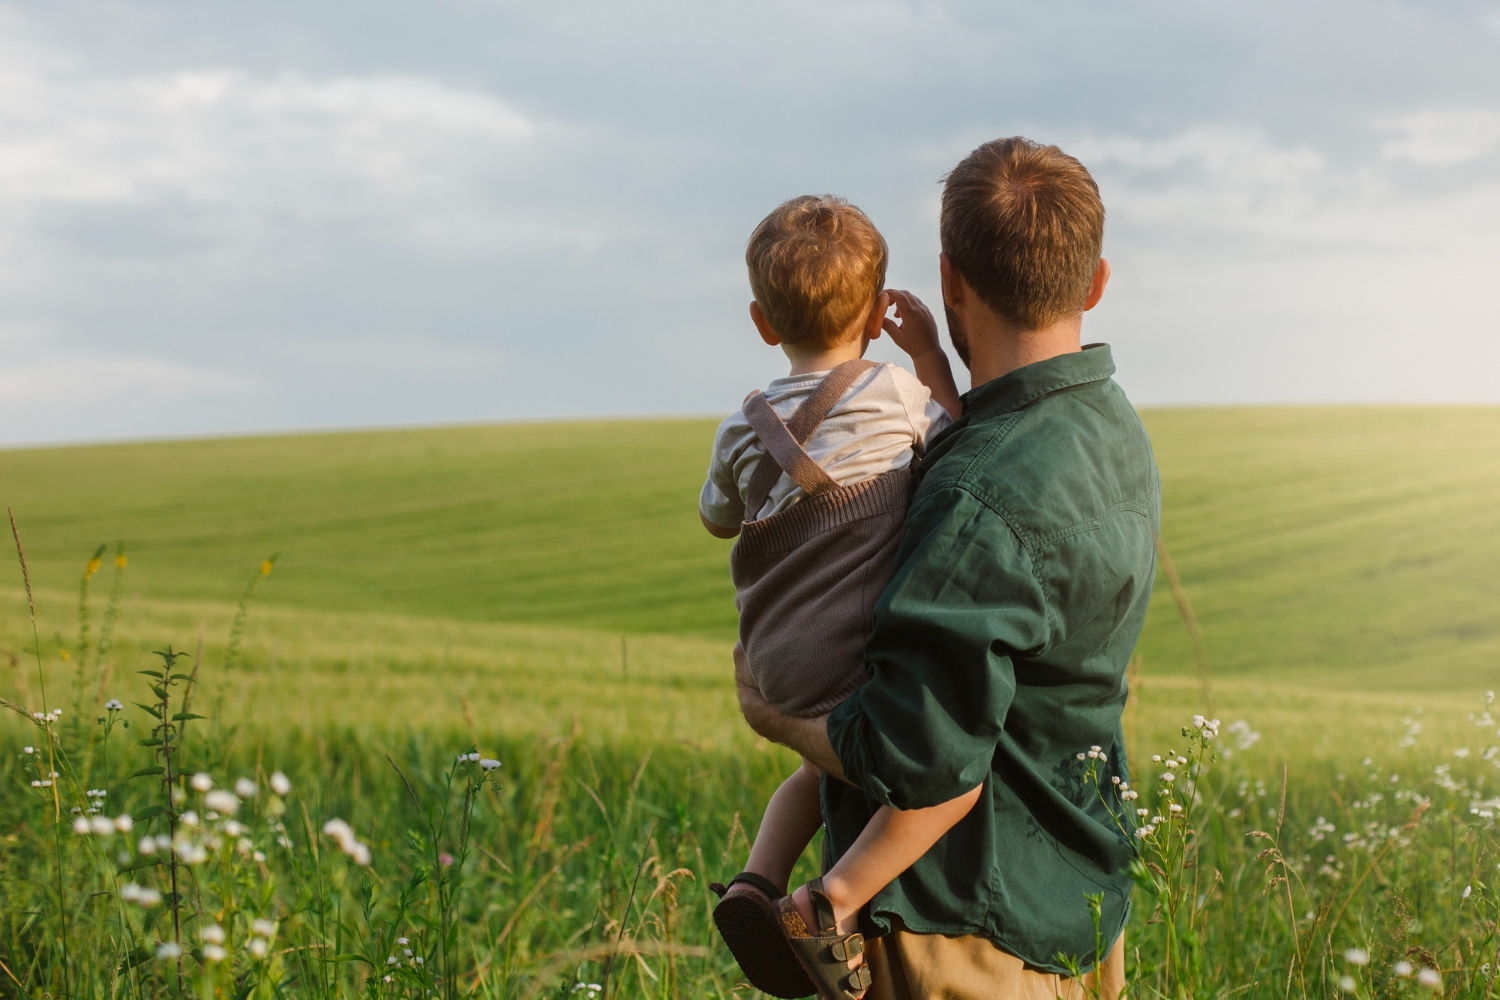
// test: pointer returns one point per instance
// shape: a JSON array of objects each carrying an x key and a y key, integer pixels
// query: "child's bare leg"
[
  {"x": 791, "y": 819},
  {"x": 891, "y": 843}
]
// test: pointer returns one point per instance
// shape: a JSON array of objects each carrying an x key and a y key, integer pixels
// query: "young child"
[{"x": 813, "y": 475}]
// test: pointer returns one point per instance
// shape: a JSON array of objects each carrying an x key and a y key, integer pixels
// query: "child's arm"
[
  {"x": 718, "y": 530},
  {"x": 914, "y": 331}
]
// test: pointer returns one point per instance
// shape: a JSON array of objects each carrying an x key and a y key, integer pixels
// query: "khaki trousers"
[{"x": 909, "y": 966}]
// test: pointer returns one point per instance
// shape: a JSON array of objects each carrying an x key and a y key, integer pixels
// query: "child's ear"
[
  {"x": 876, "y": 320},
  {"x": 767, "y": 331}
]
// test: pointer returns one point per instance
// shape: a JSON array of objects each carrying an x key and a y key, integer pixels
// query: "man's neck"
[{"x": 997, "y": 348}]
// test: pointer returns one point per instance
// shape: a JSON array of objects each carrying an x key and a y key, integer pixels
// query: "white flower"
[
  {"x": 102, "y": 826},
  {"x": 113, "y": 705},
  {"x": 1168, "y": 776},
  {"x": 280, "y": 783},
  {"x": 213, "y": 934},
  {"x": 1171, "y": 764},
  {"x": 488, "y": 764},
  {"x": 1347, "y": 984},
  {"x": 28, "y": 750},
  {"x": 1430, "y": 979},
  {"x": 147, "y": 846},
  {"x": 214, "y": 953},
  {"x": 1403, "y": 968},
  {"x": 265, "y": 928},
  {"x": 201, "y": 782},
  {"x": 403, "y": 941},
  {"x": 132, "y": 893},
  {"x": 1467, "y": 889},
  {"x": 244, "y": 788},
  {"x": 169, "y": 949},
  {"x": 257, "y": 947},
  {"x": 221, "y": 801},
  {"x": 124, "y": 823},
  {"x": 1175, "y": 807},
  {"x": 1357, "y": 956},
  {"x": 189, "y": 818},
  {"x": 81, "y": 825}
]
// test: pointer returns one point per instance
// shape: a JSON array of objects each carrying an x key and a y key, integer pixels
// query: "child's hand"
[{"x": 912, "y": 328}]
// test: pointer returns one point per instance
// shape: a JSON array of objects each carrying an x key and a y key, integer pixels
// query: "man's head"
[
  {"x": 1023, "y": 225},
  {"x": 817, "y": 266}
]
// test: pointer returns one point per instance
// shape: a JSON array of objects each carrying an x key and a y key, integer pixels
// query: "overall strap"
[{"x": 783, "y": 441}]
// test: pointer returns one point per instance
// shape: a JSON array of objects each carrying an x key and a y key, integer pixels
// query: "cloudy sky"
[{"x": 218, "y": 216}]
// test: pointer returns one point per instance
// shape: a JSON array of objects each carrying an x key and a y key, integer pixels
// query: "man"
[{"x": 998, "y": 649}]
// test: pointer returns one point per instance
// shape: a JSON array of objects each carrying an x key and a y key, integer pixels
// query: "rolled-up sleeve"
[{"x": 963, "y": 603}]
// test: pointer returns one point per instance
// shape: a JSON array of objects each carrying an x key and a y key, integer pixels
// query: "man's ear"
[
  {"x": 767, "y": 331},
  {"x": 1096, "y": 287},
  {"x": 875, "y": 322},
  {"x": 955, "y": 288}
]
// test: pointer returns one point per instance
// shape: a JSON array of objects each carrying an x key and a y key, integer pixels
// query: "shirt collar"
[{"x": 1018, "y": 389}]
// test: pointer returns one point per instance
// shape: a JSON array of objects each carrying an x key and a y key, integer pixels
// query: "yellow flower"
[
  {"x": 64, "y": 655},
  {"x": 120, "y": 561},
  {"x": 265, "y": 567},
  {"x": 92, "y": 567}
]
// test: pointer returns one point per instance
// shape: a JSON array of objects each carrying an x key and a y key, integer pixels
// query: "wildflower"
[
  {"x": 446, "y": 860},
  {"x": 489, "y": 764},
  {"x": 1172, "y": 764},
  {"x": 343, "y": 835},
  {"x": 1467, "y": 889},
  {"x": 64, "y": 655},
  {"x": 280, "y": 784},
  {"x": 257, "y": 947},
  {"x": 124, "y": 823},
  {"x": 213, "y": 934},
  {"x": 81, "y": 825},
  {"x": 1403, "y": 968},
  {"x": 244, "y": 788},
  {"x": 214, "y": 953},
  {"x": 1175, "y": 807},
  {"x": 1357, "y": 956},
  {"x": 1347, "y": 984},
  {"x": 142, "y": 895},
  {"x": 28, "y": 750},
  {"x": 222, "y": 802},
  {"x": 1168, "y": 776},
  {"x": 265, "y": 567},
  {"x": 189, "y": 818},
  {"x": 1430, "y": 979},
  {"x": 263, "y": 927},
  {"x": 147, "y": 846},
  {"x": 1156, "y": 758},
  {"x": 417, "y": 960},
  {"x": 169, "y": 949},
  {"x": 92, "y": 567},
  {"x": 120, "y": 561},
  {"x": 201, "y": 782},
  {"x": 403, "y": 941}
]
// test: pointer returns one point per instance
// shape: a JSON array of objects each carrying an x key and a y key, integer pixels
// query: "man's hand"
[{"x": 809, "y": 737}]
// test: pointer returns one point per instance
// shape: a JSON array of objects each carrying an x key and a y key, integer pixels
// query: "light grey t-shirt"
[{"x": 870, "y": 431}]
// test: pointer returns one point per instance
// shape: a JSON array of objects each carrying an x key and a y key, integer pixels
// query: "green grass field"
[{"x": 544, "y": 592}]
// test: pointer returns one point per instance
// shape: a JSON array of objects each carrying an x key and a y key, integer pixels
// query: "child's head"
[{"x": 816, "y": 265}]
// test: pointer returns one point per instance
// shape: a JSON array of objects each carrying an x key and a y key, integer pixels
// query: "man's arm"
[
  {"x": 809, "y": 737},
  {"x": 962, "y": 603}
]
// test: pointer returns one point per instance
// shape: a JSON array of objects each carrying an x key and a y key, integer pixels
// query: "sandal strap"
[
  {"x": 857, "y": 981},
  {"x": 752, "y": 879},
  {"x": 848, "y": 947},
  {"x": 822, "y": 908}
]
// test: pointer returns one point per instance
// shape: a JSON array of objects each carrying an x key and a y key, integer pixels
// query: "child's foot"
[
  {"x": 747, "y": 921},
  {"x": 828, "y": 942}
]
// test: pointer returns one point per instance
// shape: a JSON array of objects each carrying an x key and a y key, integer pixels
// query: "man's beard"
[{"x": 957, "y": 335}]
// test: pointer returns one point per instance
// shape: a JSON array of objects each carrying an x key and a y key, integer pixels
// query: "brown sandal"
[
  {"x": 748, "y": 923},
  {"x": 824, "y": 953}
]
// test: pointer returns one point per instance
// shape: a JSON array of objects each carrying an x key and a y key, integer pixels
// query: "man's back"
[{"x": 999, "y": 654}]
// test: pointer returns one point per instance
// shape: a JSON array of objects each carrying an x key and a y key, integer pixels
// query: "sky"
[{"x": 223, "y": 217}]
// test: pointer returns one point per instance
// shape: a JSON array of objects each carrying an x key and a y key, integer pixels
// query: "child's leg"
[
  {"x": 891, "y": 843},
  {"x": 792, "y": 818}
]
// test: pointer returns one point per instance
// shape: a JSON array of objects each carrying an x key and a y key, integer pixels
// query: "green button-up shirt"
[{"x": 998, "y": 654}]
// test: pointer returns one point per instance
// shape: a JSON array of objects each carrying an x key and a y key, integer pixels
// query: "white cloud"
[
  {"x": 1442, "y": 136},
  {"x": 108, "y": 381}
]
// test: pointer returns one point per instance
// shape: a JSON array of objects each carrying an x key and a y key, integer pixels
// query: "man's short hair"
[
  {"x": 1024, "y": 225},
  {"x": 816, "y": 264}
]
